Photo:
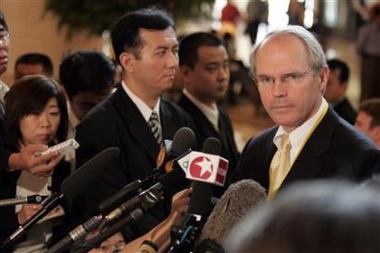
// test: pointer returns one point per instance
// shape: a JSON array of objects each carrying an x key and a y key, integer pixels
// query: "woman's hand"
[{"x": 39, "y": 165}]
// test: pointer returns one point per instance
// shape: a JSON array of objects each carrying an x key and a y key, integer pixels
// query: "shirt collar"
[
  {"x": 73, "y": 119},
  {"x": 145, "y": 110},
  {"x": 299, "y": 134},
  {"x": 211, "y": 113}
]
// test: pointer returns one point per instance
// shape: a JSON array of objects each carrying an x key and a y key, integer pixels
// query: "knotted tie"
[
  {"x": 280, "y": 166},
  {"x": 155, "y": 127}
]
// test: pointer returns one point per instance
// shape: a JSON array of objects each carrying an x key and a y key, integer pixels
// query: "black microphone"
[
  {"x": 130, "y": 211},
  {"x": 77, "y": 234},
  {"x": 182, "y": 142},
  {"x": 200, "y": 201},
  {"x": 23, "y": 200},
  {"x": 185, "y": 235},
  {"x": 71, "y": 188},
  {"x": 239, "y": 199},
  {"x": 144, "y": 201},
  {"x": 166, "y": 183}
]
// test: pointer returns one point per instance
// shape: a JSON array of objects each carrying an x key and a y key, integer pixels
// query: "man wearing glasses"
[{"x": 310, "y": 141}]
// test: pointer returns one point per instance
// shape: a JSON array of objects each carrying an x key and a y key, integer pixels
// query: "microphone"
[
  {"x": 235, "y": 203},
  {"x": 200, "y": 201},
  {"x": 115, "y": 207},
  {"x": 23, "y": 200},
  {"x": 184, "y": 236},
  {"x": 71, "y": 188},
  {"x": 144, "y": 201},
  {"x": 77, "y": 234},
  {"x": 130, "y": 211},
  {"x": 182, "y": 142}
]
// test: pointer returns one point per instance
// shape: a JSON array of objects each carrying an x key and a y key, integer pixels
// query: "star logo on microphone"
[{"x": 201, "y": 167}]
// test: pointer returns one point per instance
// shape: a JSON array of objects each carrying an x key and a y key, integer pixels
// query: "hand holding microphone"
[
  {"x": 134, "y": 199},
  {"x": 202, "y": 167},
  {"x": 71, "y": 187},
  {"x": 160, "y": 235}
]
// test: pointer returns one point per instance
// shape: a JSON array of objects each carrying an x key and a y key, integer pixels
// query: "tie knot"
[
  {"x": 154, "y": 116},
  {"x": 285, "y": 141}
]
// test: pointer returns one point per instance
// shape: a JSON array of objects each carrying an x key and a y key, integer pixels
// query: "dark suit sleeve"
[
  {"x": 8, "y": 217},
  {"x": 94, "y": 138},
  {"x": 4, "y": 158}
]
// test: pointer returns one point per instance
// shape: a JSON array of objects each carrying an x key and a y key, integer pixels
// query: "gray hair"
[
  {"x": 329, "y": 216},
  {"x": 316, "y": 53}
]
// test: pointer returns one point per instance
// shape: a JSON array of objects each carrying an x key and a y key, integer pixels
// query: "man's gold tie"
[{"x": 280, "y": 166}]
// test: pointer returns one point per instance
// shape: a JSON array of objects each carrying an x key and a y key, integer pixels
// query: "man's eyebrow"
[
  {"x": 161, "y": 47},
  {"x": 212, "y": 63}
]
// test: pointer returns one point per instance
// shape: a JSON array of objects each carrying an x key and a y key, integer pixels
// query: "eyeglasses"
[
  {"x": 290, "y": 79},
  {"x": 4, "y": 37}
]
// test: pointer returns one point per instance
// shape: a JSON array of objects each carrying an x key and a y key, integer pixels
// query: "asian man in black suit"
[
  {"x": 146, "y": 46},
  {"x": 204, "y": 68},
  {"x": 291, "y": 73},
  {"x": 336, "y": 89}
]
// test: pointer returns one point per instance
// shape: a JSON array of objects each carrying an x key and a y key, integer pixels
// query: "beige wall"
[{"x": 32, "y": 31}]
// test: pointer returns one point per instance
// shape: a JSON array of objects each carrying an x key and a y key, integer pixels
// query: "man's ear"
[
  {"x": 324, "y": 77},
  {"x": 184, "y": 71},
  {"x": 127, "y": 61},
  {"x": 376, "y": 131}
]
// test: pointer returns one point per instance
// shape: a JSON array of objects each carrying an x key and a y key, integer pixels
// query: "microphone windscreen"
[
  {"x": 212, "y": 146},
  {"x": 81, "y": 179},
  {"x": 183, "y": 140},
  {"x": 240, "y": 198}
]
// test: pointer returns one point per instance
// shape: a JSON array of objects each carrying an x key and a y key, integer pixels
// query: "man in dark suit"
[
  {"x": 336, "y": 89},
  {"x": 291, "y": 73},
  {"x": 146, "y": 46},
  {"x": 205, "y": 73}
]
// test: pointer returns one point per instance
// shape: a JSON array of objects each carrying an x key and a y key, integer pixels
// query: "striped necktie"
[
  {"x": 155, "y": 127},
  {"x": 279, "y": 166}
]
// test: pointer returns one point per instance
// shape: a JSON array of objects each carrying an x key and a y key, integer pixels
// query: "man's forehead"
[{"x": 165, "y": 33}]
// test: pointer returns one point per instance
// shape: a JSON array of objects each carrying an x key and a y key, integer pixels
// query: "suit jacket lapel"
[
  {"x": 263, "y": 156},
  {"x": 307, "y": 164},
  {"x": 167, "y": 119},
  {"x": 135, "y": 123},
  {"x": 197, "y": 114}
]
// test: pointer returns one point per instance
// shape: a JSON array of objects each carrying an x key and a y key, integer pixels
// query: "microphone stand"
[
  {"x": 48, "y": 204},
  {"x": 22, "y": 200}
]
